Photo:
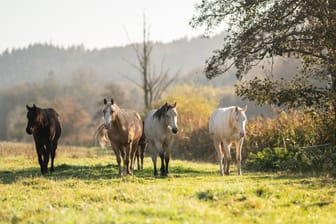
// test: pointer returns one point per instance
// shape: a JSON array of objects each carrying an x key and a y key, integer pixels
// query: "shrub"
[
  {"x": 308, "y": 159},
  {"x": 275, "y": 159},
  {"x": 293, "y": 129},
  {"x": 295, "y": 141}
]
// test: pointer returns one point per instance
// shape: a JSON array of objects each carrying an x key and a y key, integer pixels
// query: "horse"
[
  {"x": 45, "y": 127},
  {"x": 140, "y": 153},
  {"x": 160, "y": 128},
  {"x": 227, "y": 126},
  {"x": 124, "y": 130},
  {"x": 102, "y": 138}
]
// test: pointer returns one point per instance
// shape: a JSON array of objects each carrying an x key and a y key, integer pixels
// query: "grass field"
[{"x": 85, "y": 188}]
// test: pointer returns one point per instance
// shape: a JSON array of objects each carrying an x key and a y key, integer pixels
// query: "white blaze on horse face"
[
  {"x": 241, "y": 120},
  {"x": 107, "y": 115},
  {"x": 172, "y": 117}
]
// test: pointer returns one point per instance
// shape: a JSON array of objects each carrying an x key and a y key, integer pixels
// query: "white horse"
[
  {"x": 227, "y": 126},
  {"x": 160, "y": 126}
]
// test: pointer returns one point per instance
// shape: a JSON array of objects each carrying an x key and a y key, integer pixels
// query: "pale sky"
[{"x": 93, "y": 23}]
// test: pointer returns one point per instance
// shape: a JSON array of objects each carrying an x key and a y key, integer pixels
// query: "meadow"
[{"x": 86, "y": 188}]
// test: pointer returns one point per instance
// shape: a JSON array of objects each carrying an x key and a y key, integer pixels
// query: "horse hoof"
[{"x": 163, "y": 174}]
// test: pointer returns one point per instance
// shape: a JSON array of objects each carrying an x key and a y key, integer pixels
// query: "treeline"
[
  {"x": 78, "y": 103},
  {"x": 32, "y": 63}
]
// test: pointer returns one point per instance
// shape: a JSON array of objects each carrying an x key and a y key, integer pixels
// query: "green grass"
[{"x": 85, "y": 188}]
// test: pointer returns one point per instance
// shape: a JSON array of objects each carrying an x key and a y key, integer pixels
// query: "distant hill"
[{"x": 37, "y": 61}]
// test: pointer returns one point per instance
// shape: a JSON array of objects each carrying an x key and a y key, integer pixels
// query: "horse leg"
[
  {"x": 220, "y": 156},
  {"x": 118, "y": 157},
  {"x": 53, "y": 154},
  {"x": 238, "y": 155},
  {"x": 133, "y": 155},
  {"x": 126, "y": 157},
  {"x": 46, "y": 154},
  {"x": 154, "y": 157},
  {"x": 162, "y": 169},
  {"x": 227, "y": 157},
  {"x": 137, "y": 158},
  {"x": 142, "y": 152},
  {"x": 39, "y": 150},
  {"x": 154, "y": 148},
  {"x": 167, "y": 158}
]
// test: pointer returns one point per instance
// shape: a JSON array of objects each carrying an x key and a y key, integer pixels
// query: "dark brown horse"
[
  {"x": 45, "y": 127},
  {"x": 124, "y": 130}
]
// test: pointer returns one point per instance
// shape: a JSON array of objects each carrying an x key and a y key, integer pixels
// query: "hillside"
[{"x": 37, "y": 61}]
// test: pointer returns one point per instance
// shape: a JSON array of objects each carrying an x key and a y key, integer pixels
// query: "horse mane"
[{"x": 161, "y": 111}]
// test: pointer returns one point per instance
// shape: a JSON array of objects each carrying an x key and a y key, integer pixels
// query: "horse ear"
[
  {"x": 236, "y": 109},
  {"x": 174, "y": 105},
  {"x": 28, "y": 108},
  {"x": 166, "y": 106},
  {"x": 245, "y": 108},
  {"x": 105, "y": 101},
  {"x": 112, "y": 101}
]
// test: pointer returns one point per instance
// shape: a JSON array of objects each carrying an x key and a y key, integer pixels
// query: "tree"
[
  {"x": 266, "y": 28},
  {"x": 153, "y": 83}
]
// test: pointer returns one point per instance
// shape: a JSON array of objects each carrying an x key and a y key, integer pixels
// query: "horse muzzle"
[
  {"x": 29, "y": 131},
  {"x": 106, "y": 126},
  {"x": 174, "y": 130}
]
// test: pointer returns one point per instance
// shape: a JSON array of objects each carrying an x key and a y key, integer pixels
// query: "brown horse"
[
  {"x": 45, "y": 127},
  {"x": 124, "y": 130},
  {"x": 102, "y": 139}
]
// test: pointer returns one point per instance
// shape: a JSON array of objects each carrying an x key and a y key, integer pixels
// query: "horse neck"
[
  {"x": 43, "y": 119},
  {"x": 232, "y": 120},
  {"x": 163, "y": 123},
  {"x": 119, "y": 121}
]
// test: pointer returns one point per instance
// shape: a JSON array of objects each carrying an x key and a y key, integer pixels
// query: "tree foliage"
[{"x": 268, "y": 28}]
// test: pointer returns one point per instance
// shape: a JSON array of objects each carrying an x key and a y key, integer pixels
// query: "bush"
[
  {"x": 296, "y": 141},
  {"x": 275, "y": 159},
  {"x": 294, "y": 129},
  {"x": 317, "y": 159},
  {"x": 308, "y": 159}
]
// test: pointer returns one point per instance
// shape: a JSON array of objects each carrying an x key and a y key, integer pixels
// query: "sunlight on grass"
[{"x": 87, "y": 189}]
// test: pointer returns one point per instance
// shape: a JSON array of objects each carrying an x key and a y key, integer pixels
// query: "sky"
[{"x": 95, "y": 24}]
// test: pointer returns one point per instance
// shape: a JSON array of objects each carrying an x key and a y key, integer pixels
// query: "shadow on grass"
[
  {"x": 63, "y": 171},
  {"x": 94, "y": 172}
]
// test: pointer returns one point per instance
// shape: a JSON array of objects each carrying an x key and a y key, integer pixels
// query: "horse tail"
[{"x": 101, "y": 136}]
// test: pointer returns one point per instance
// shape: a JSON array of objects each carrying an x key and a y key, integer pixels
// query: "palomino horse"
[
  {"x": 160, "y": 126},
  {"x": 227, "y": 126},
  {"x": 101, "y": 136},
  {"x": 45, "y": 127},
  {"x": 124, "y": 130}
]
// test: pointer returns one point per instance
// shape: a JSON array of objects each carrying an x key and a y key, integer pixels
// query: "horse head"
[
  {"x": 240, "y": 120},
  {"x": 35, "y": 119},
  {"x": 110, "y": 111},
  {"x": 171, "y": 116}
]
